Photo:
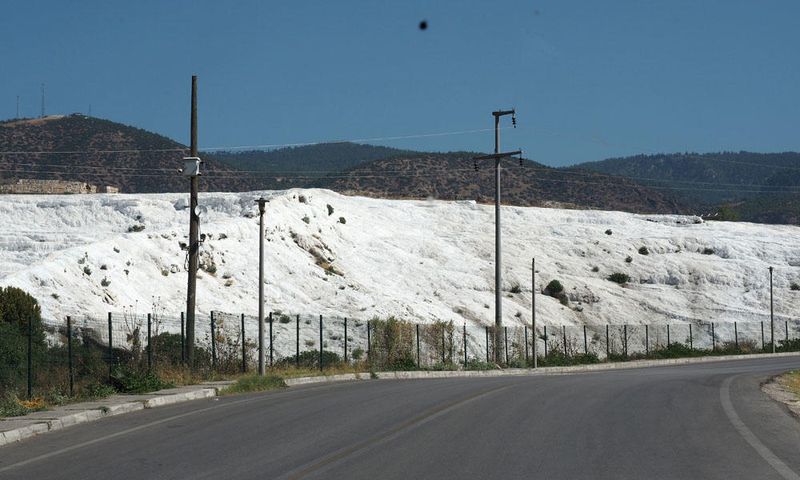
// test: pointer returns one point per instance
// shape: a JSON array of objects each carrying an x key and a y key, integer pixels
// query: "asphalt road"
[{"x": 697, "y": 421}]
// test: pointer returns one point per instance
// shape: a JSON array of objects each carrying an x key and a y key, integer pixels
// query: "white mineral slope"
[{"x": 420, "y": 260}]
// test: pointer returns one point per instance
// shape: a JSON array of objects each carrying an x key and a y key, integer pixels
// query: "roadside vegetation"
[
  {"x": 395, "y": 345},
  {"x": 791, "y": 381}
]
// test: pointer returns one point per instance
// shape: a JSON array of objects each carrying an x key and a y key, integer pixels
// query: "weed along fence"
[{"x": 82, "y": 356}]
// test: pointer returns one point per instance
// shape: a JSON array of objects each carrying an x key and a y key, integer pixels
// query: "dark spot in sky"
[
  {"x": 423, "y": 25},
  {"x": 536, "y": 12}
]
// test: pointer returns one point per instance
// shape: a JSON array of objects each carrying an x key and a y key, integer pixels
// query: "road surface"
[{"x": 708, "y": 421}]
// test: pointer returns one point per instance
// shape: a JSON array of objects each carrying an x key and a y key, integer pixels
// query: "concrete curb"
[
  {"x": 577, "y": 368},
  {"x": 16, "y": 429},
  {"x": 344, "y": 377}
]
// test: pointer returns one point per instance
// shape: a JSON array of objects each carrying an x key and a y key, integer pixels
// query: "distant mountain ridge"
[
  {"x": 740, "y": 185},
  {"x": 109, "y": 153},
  {"x": 452, "y": 176},
  {"x": 312, "y": 161},
  {"x": 759, "y": 187},
  {"x": 101, "y": 152}
]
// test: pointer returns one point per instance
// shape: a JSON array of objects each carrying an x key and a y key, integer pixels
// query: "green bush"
[
  {"x": 126, "y": 379},
  {"x": 794, "y": 286},
  {"x": 621, "y": 278},
  {"x": 628, "y": 259},
  {"x": 516, "y": 288},
  {"x": 644, "y": 251},
  {"x": 10, "y": 406},
  {"x": 357, "y": 353},
  {"x": 18, "y": 310},
  {"x": 310, "y": 359},
  {"x": 256, "y": 383},
  {"x": 392, "y": 343},
  {"x": 475, "y": 364},
  {"x": 556, "y": 358},
  {"x": 554, "y": 288},
  {"x": 99, "y": 390}
]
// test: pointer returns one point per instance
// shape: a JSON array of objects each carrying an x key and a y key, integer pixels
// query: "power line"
[{"x": 353, "y": 140}]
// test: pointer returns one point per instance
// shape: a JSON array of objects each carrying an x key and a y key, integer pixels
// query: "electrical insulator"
[{"x": 514, "y": 120}]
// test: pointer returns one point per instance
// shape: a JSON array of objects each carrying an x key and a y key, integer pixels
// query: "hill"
[
  {"x": 754, "y": 187},
  {"x": 101, "y": 152},
  {"x": 709, "y": 178},
  {"x": 307, "y": 162},
  {"x": 452, "y": 176}
]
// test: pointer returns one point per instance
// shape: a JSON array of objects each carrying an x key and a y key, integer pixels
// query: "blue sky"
[{"x": 589, "y": 80}]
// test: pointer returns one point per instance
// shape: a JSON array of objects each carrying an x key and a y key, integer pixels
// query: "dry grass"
[
  {"x": 293, "y": 372},
  {"x": 181, "y": 376},
  {"x": 791, "y": 381}
]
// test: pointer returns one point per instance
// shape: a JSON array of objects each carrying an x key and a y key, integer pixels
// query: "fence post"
[
  {"x": 668, "y": 335},
  {"x": 244, "y": 352},
  {"x": 444, "y": 348},
  {"x": 608, "y": 344},
  {"x": 452, "y": 344},
  {"x": 30, "y": 357},
  {"x": 625, "y": 338},
  {"x": 69, "y": 357},
  {"x": 544, "y": 328},
  {"x": 213, "y": 343},
  {"x": 647, "y": 339},
  {"x": 505, "y": 342},
  {"x": 270, "y": 340},
  {"x": 345, "y": 339},
  {"x": 183, "y": 340},
  {"x": 297, "y": 344},
  {"x": 736, "y": 335},
  {"x": 418, "y": 360},
  {"x": 526, "y": 345},
  {"x": 564, "y": 336},
  {"x": 149, "y": 344},
  {"x": 110, "y": 347},
  {"x": 762, "y": 338},
  {"x": 465, "y": 346},
  {"x": 713, "y": 339},
  {"x": 585, "y": 342},
  {"x": 786, "y": 329},
  {"x": 486, "y": 328},
  {"x": 369, "y": 344},
  {"x": 691, "y": 338},
  {"x": 320, "y": 342}
]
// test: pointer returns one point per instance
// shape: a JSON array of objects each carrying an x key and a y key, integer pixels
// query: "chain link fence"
[{"x": 78, "y": 355}]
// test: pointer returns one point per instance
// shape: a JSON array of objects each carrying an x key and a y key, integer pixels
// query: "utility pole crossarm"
[
  {"x": 500, "y": 113},
  {"x": 495, "y": 156}
]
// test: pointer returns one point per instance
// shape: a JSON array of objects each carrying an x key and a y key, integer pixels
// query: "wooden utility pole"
[
  {"x": 771, "y": 316},
  {"x": 499, "y": 356},
  {"x": 533, "y": 311},
  {"x": 262, "y": 206},
  {"x": 194, "y": 228}
]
